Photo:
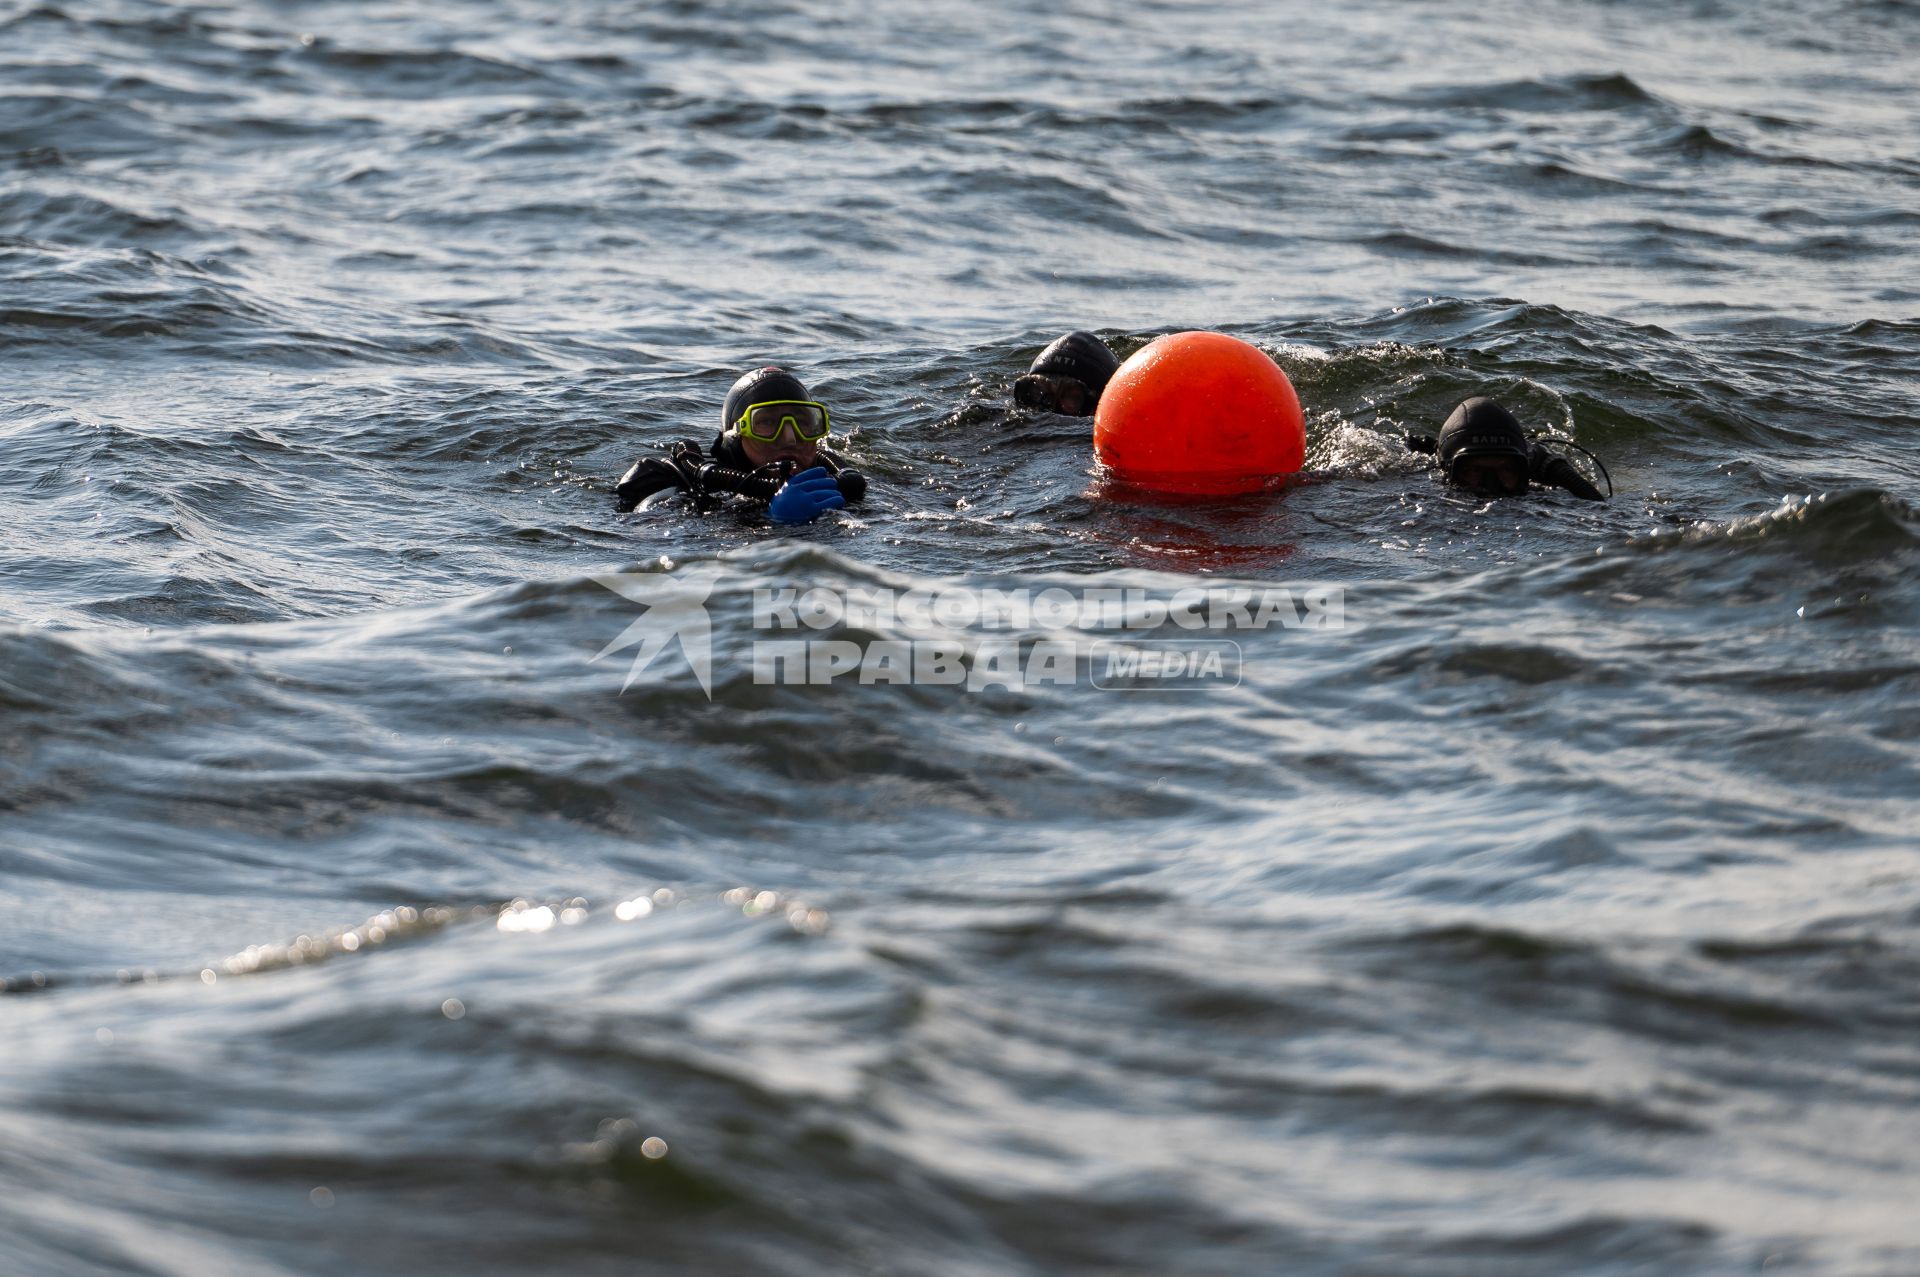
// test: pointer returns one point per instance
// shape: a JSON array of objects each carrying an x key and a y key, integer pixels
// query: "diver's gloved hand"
[
  {"x": 1551, "y": 468},
  {"x": 805, "y": 497}
]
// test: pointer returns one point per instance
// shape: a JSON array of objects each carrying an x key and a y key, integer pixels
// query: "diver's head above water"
[
  {"x": 1068, "y": 376},
  {"x": 772, "y": 417},
  {"x": 1482, "y": 448}
]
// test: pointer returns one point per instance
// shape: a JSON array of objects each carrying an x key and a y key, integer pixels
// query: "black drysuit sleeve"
[{"x": 646, "y": 477}]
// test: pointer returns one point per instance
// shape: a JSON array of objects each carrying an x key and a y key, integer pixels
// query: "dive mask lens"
[
  {"x": 763, "y": 422},
  {"x": 1050, "y": 393},
  {"x": 1496, "y": 476}
]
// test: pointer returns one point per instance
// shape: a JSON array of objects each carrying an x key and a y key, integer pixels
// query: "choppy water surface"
[{"x": 1560, "y": 914}]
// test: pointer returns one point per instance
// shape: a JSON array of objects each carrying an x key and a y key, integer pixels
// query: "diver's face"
[
  {"x": 1048, "y": 392},
  {"x": 1490, "y": 476},
  {"x": 789, "y": 446}
]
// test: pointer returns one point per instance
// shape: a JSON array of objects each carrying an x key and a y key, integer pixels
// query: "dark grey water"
[{"x": 1560, "y": 914}]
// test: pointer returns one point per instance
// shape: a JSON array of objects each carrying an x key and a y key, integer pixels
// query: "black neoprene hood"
[
  {"x": 1081, "y": 356},
  {"x": 762, "y": 385},
  {"x": 1481, "y": 427}
]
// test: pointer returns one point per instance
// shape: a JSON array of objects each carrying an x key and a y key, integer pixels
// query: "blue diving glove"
[{"x": 805, "y": 497}]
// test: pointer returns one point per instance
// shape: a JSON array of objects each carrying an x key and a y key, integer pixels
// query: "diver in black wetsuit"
[
  {"x": 769, "y": 449},
  {"x": 1068, "y": 376},
  {"x": 1483, "y": 449}
]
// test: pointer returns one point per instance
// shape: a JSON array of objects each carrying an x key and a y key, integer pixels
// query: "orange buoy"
[{"x": 1203, "y": 414}]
